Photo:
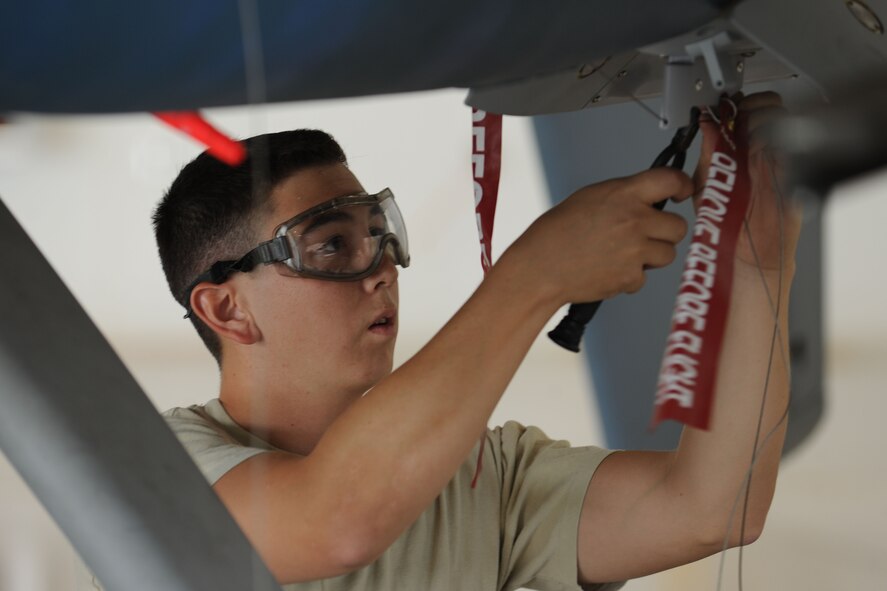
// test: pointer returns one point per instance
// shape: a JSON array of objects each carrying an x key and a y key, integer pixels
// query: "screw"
[
  {"x": 622, "y": 74},
  {"x": 596, "y": 99},
  {"x": 740, "y": 67},
  {"x": 866, "y": 16},
  {"x": 699, "y": 85}
]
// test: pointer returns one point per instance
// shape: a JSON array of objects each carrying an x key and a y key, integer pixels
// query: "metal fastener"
[{"x": 866, "y": 16}]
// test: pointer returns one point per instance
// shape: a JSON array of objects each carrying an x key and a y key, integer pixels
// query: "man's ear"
[{"x": 219, "y": 308}]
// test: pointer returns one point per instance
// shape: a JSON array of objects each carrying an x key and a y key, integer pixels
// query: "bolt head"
[{"x": 866, "y": 16}]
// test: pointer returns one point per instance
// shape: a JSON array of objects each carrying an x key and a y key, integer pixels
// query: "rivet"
[
  {"x": 699, "y": 85},
  {"x": 866, "y": 16},
  {"x": 596, "y": 99}
]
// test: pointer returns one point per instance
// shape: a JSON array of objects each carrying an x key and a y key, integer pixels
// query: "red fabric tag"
[
  {"x": 685, "y": 391},
  {"x": 486, "y": 161},
  {"x": 217, "y": 143}
]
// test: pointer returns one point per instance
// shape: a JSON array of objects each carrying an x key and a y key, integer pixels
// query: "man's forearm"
[
  {"x": 417, "y": 426},
  {"x": 752, "y": 385},
  {"x": 385, "y": 458}
]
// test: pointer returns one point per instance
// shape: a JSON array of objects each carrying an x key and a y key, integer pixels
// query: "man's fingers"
[
  {"x": 658, "y": 184},
  {"x": 760, "y": 100},
  {"x": 660, "y": 254},
  {"x": 667, "y": 226},
  {"x": 759, "y": 121}
]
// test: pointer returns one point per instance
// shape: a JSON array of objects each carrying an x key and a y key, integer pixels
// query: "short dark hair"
[{"x": 211, "y": 209}]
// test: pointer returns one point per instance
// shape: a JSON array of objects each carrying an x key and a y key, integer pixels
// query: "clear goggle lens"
[
  {"x": 343, "y": 239},
  {"x": 346, "y": 238}
]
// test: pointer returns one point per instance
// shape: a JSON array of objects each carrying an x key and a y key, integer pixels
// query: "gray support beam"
[{"x": 94, "y": 450}]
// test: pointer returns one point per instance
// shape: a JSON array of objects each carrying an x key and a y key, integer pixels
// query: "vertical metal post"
[{"x": 94, "y": 450}]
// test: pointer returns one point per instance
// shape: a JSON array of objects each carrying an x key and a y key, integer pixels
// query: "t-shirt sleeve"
[
  {"x": 543, "y": 488},
  {"x": 213, "y": 449}
]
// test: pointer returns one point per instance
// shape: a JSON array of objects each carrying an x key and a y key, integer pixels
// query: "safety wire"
[
  {"x": 256, "y": 84},
  {"x": 776, "y": 339},
  {"x": 258, "y": 155},
  {"x": 253, "y": 55},
  {"x": 612, "y": 79}
]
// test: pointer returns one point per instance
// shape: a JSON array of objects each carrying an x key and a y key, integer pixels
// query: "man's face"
[{"x": 327, "y": 334}]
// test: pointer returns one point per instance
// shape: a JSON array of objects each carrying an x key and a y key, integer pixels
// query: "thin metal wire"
[
  {"x": 644, "y": 106},
  {"x": 256, "y": 81},
  {"x": 256, "y": 94},
  {"x": 717, "y": 119},
  {"x": 780, "y": 204},
  {"x": 777, "y": 338},
  {"x": 253, "y": 54}
]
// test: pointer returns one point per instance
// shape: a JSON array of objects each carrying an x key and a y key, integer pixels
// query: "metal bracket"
[
  {"x": 717, "y": 62},
  {"x": 697, "y": 75}
]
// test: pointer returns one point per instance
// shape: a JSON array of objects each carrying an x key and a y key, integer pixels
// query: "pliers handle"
[
  {"x": 568, "y": 334},
  {"x": 675, "y": 153}
]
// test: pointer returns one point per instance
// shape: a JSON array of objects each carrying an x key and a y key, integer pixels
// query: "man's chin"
[{"x": 381, "y": 375}]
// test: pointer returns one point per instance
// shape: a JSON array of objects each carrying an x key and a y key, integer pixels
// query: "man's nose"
[{"x": 386, "y": 273}]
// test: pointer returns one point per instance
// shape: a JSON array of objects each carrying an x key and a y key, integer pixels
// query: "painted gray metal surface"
[
  {"x": 92, "y": 56},
  {"x": 94, "y": 450},
  {"x": 819, "y": 40}
]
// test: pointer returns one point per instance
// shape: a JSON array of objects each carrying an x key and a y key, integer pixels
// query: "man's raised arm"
[
  {"x": 650, "y": 511},
  {"x": 387, "y": 457}
]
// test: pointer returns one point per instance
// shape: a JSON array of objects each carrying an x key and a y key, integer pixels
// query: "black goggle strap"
[{"x": 273, "y": 251}]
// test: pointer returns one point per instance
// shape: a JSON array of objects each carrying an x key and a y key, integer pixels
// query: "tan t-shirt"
[{"x": 516, "y": 529}]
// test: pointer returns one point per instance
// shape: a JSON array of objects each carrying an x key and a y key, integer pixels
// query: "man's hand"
[
  {"x": 773, "y": 224},
  {"x": 598, "y": 242}
]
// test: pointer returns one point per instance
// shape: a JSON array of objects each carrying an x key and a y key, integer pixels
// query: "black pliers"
[
  {"x": 568, "y": 334},
  {"x": 680, "y": 143}
]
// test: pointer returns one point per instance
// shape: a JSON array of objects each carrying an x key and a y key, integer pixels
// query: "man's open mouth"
[{"x": 385, "y": 319}]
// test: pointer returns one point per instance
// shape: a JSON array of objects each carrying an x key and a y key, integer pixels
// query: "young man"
[{"x": 340, "y": 470}]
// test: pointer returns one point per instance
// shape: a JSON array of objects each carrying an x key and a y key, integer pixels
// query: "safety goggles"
[{"x": 343, "y": 239}]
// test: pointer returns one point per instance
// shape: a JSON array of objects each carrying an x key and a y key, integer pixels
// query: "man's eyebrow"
[{"x": 326, "y": 218}]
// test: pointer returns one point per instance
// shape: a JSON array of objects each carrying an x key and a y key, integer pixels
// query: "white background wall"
[{"x": 84, "y": 188}]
